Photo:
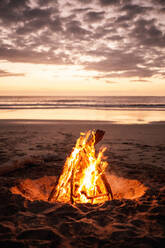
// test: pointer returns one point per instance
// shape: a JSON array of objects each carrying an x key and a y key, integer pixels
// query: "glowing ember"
[{"x": 83, "y": 179}]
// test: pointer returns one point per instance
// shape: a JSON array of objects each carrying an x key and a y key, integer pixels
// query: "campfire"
[{"x": 83, "y": 179}]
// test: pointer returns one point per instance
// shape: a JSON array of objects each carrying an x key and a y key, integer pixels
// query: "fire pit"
[{"x": 83, "y": 178}]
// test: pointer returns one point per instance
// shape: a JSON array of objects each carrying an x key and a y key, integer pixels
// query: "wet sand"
[{"x": 136, "y": 171}]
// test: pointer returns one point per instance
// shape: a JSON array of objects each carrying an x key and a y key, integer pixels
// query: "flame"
[{"x": 83, "y": 179}]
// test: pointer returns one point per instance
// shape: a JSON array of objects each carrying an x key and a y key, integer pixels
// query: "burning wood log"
[
  {"x": 71, "y": 187},
  {"x": 98, "y": 136},
  {"x": 52, "y": 192},
  {"x": 83, "y": 179},
  {"x": 108, "y": 187}
]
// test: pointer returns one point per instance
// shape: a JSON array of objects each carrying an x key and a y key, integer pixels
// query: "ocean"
[{"x": 119, "y": 109}]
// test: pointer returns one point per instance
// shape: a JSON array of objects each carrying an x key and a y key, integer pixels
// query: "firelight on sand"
[{"x": 83, "y": 178}]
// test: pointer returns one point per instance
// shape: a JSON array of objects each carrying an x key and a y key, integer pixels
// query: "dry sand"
[{"x": 135, "y": 218}]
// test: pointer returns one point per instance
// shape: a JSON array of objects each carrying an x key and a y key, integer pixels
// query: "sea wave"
[{"x": 81, "y": 105}]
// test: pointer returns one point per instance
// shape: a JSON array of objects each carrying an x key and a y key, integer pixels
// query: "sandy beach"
[
  {"x": 136, "y": 172},
  {"x": 82, "y": 124}
]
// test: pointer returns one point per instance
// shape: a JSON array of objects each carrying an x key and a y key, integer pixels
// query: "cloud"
[
  {"x": 141, "y": 80},
  {"x": 161, "y": 2},
  {"x": 10, "y": 74},
  {"x": 93, "y": 16},
  {"x": 147, "y": 33},
  {"x": 122, "y": 38},
  {"x": 75, "y": 30},
  {"x": 25, "y": 56},
  {"x": 116, "y": 61},
  {"x": 110, "y": 82},
  {"x": 12, "y": 11},
  {"x": 109, "y": 2}
]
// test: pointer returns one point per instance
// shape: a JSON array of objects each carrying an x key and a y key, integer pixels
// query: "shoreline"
[{"x": 79, "y": 122}]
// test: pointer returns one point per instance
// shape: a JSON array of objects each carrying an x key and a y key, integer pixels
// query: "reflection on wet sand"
[{"x": 118, "y": 116}]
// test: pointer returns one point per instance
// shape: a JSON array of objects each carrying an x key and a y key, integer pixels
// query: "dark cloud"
[
  {"x": 134, "y": 9},
  {"x": 116, "y": 61},
  {"x": 37, "y": 13},
  {"x": 115, "y": 38},
  {"x": 10, "y": 74},
  {"x": 123, "y": 38},
  {"x": 81, "y": 10},
  {"x": 138, "y": 72},
  {"x": 148, "y": 34},
  {"x": 131, "y": 11},
  {"x": 141, "y": 73},
  {"x": 141, "y": 80},
  {"x": 108, "y": 2},
  {"x": 163, "y": 10},
  {"x": 84, "y": 1},
  {"x": 42, "y": 2},
  {"x": 161, "y": 2},
  {"x": 13, "y": 4},
  {"x": 12, "y": 11},
  {"x": 31, "y": 26},
  {"x": 93, "y": 16},
  {"x": 75, "y": 30},
  {"x": 25, "y": 56}
]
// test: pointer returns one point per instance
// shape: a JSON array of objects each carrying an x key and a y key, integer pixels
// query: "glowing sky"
[{"x": 82, "y": 47}]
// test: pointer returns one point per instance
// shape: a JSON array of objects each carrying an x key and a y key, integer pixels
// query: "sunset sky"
[{"x": 82, "y": 47}]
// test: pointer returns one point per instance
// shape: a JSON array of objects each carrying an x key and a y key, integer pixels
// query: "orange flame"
[{"x": 83, "y": 179}]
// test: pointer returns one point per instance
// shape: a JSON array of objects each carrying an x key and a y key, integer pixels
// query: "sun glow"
[{"x": 65, "y": 80}]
